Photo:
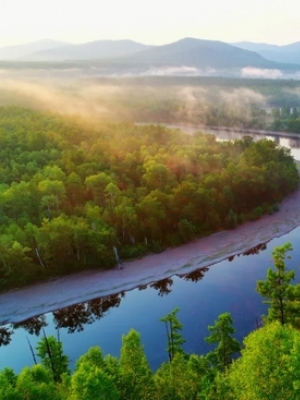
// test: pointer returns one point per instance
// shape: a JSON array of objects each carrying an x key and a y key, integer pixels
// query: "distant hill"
[
  {"x": 24, "y": 50},
  {"x": 100, "y": 49},
  {"x": 188, "y": 56},
  {"x": 201, "y": 54},
  {"x": 286, "y": 54}
]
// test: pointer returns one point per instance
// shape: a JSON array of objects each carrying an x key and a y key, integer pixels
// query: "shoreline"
[{"x": 19, "y": 305}]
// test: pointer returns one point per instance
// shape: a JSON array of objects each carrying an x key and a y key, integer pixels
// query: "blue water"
[{"x": 226, "y": 286}]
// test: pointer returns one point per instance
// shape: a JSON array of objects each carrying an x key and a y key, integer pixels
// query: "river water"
[{"x": 201, "y": 297}]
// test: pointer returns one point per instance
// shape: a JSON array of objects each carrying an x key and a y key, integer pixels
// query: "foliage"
[
  {"x": 277, "y": 288},
  {"x": 221, "y": 333},
  {"x": 269, "y": 366},
  {"x": 73, "y": 190},
  {"x": 51, "y": 354},
  {"x": 174, "y": 337},
  {"x": 135, "y": 374}
]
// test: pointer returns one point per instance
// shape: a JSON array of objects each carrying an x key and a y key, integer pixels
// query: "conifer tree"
[
  {"x": 173, "y": 327},
  {"x": 277, "y": 288},
  {"x": 221, "y": 333}
]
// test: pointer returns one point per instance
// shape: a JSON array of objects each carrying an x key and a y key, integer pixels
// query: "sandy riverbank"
[{"x": 38, "y": 299}]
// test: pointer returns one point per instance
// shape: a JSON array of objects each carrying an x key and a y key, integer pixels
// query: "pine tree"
[
  {"x": 173, "y": 327},
  {"x": 221, "y": 333},
  {"x": 277, "y": 287}
]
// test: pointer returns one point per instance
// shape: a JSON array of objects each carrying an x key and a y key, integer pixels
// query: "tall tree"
[
  {"x": 135, "y": 374},
  {"x": 221, "y": 334},
  {"x": 277, "y": 288},
  {"x": 174, "y": 337}
]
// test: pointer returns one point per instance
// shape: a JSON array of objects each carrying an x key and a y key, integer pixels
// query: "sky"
[{"x": 149, "y": 21}]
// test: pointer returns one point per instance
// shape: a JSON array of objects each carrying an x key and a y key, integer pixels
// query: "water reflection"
[
  {"x": 163, "y": 286},
  {"x": 195, "y": 276},
  {"x": 75, "y": 317},
  {"x": 5, "y": 335},
  {"x": 32, "y": 325},
  {"x": 253, "y": 250}
]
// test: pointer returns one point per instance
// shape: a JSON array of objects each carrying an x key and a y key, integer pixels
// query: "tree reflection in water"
[
  {"x": 5, "y": 335},
  {"x": 254, "y": 250},
  {"x": 32, "y": 325},
  {"x": 163, "y": 286},
  {"x": 75, "y": 317},
  {"x": 195, "y": 276}
]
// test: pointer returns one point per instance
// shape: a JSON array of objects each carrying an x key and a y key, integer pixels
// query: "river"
[{"x": 201, "y": 297}]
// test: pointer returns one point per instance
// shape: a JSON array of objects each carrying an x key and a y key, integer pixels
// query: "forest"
[
  {"x": 80, "y": 193},
  {"x": 265, "y": 366}
]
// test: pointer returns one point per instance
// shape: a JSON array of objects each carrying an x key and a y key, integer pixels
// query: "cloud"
[
  {"x": 176, "y": 71},
  {"x": 251, "y": 72}
]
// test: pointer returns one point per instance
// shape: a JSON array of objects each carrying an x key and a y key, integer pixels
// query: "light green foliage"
[
  {"x": 277, "y": 288},
  {"x": 36, "y": 383},
  {"x": 227, "y": 346},
  {"x": 90, "y": 382},
  {"x": 94, "y": 377},
  {"x": 8, "y": 389},
  {"x": 269, "y": 366},
  {"x": 174, "y": 337},
  {"x": 184, "y": 378},
  {"x": 50, "y": 351},
  {"x": 135, "y": 374}
]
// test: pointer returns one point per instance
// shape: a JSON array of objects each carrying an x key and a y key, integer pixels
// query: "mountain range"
[
  {"x": 196, "y": 56},
  {"x": 288, "y": 53}
]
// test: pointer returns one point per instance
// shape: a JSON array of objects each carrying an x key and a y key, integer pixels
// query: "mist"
[{"x": 180, "y": 100}]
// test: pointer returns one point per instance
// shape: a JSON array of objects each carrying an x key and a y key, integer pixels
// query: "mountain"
[
  {"x": 286, "y": 54},
  {"x": 101, "y": 49},
  {"x": 21, "y": 51},
  {"x": 199, "y": 53}
]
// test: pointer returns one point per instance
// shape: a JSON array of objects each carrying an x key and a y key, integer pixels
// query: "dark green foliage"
[
  {"x": 51, "y": 354},
  {"x": 278, "y": 290},
  {"x": 227, "y": 346},
  {"x": 174, "y": 337}
]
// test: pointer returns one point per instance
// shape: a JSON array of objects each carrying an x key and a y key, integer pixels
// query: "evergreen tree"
[
  {"x": 135, "y": 374},
  {"x": 221, "y": 333},
  {"x": 51, "y": 353},
  {"x": 277, "y": 287},
  {"x": 173, "y": 327}
]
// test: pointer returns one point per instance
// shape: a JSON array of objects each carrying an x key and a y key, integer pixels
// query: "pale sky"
[{"x": 149, "y": 21}]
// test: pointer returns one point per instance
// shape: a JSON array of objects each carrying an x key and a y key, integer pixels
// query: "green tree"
[
  {"x": 221, "y": 333},
  {"x": 36, "y": 383},
  {"x": 8, "y": 389},
  {"x": 269, "y": 367},
  {"x": 90, "y": 380},
  {"x": 135, "y": 374},
  {"x": 53, "y": 358},
  {"x": 174, "y": 337},
  {"x": 277, "y": 287}
]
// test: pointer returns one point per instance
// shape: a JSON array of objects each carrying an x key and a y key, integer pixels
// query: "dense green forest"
[
  {"x": 265, "y": 367},
  {"x": 78, "y": 194}
]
